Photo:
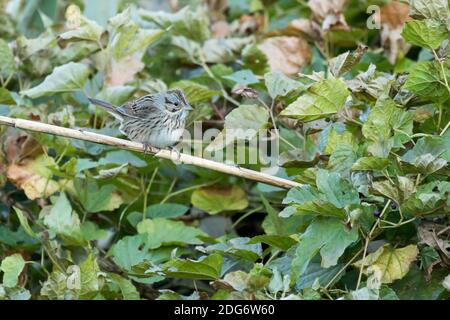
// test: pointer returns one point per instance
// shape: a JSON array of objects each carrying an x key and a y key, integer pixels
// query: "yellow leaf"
[{"x": 388, "y": 264}]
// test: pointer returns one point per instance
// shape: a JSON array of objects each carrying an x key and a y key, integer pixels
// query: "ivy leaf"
[
  {"x": 68, "y": 77},
  {"x": 426, "y": 81},
  {"x": 322, "y": 100},
  {"x": 162, "y": 232},
  {"x": 427, "y": 33},
  {"x": 12, "y": 267},
  {"x": 280, "y": 85},
  {"x": 387, "y": 263},
  {"x": 327, "y": 236},
  {"x": 206, "y": 268},
  {"x": 218, "y": 199}
]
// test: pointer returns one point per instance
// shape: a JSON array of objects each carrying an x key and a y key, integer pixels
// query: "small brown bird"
[{"x": 155, "y": 120}]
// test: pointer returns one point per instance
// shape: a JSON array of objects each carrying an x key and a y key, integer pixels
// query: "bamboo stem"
[{"x": 160, "y": 153}]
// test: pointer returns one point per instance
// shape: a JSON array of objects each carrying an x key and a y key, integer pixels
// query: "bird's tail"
[{"x": 107, "y": 106}]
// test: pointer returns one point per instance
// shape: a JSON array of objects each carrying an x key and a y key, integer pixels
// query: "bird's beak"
[{"x": 188, "y": 107}]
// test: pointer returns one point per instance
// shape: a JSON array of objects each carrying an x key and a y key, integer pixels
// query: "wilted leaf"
[
  {"x": 286, "y": 54},
  {"x": 34, "y": 177},
  {"x": 218, "y": 199},
  {"x": 346, "y": 61},
  {"x": 387, "y": 263}
]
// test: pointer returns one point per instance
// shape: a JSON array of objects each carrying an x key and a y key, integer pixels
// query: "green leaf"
[
  {"x": 122, "y": 157},
  {"x": 206, "y": 268},
  {"x": 7, "y": 62},
  {"x": 6, "y": 97},
  {"x": 127, "y": 288},
  {"x": 185, "y": 22},
  {"x": 279, "y": 85},
  {"x": 427, "y": 33},
  {"x": 218, "y": 199},
  {"x": 24, "y": 223},
  {"x": 69, "y": 77},
  {"x": 242, "y": 77},
  {"x": 195, "y": 92},
  {"x": 130, "y": 251},
  {"x": 89, "y": 277},
  {"x": 162, "y": 232},
  {"x": 416, "y": 286},
  {"x": 386, "y": 127},
  {"x": 12, "y": 267},
  {"x": 63, "y": 221},
  {"x": 115, "y": 95},
  {"x": 322, "y": 100},
  {"x": 327, "y": 236},
  {"x": 426, "y": 80},
  {"x": 425, "y": 9},
  {"x": 237, "y": 247},
  {"x": 166, "y": 210},
  {"x": 371, "y": 164},
  {"x": 388, "y": 264},
  {"x": 87, "y": 30},
  {"x": 280, "y": 242},
  {"x": 93, "y": 198},
  {"x": 335, "y": 189},
  {"x": 254, "y": 59}
]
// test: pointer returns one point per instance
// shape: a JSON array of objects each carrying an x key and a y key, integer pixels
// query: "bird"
[{"x": 155, "y": 120}]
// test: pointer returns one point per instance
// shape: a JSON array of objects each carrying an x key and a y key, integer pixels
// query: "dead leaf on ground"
[
  {"x": 393, "y": 17},
  {"x": 247, "y": 25},
  {"x": 286, "y": 54}
]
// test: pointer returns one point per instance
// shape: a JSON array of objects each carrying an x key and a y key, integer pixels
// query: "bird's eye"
[{"x": 175, "y": 103}]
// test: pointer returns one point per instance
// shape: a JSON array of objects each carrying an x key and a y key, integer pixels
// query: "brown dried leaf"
[
  {"x": 393, "y": 17},
  {"x": 329, "y": 13},
  {"x": 286, "y": 54},
  {"x": 123, "y": 71},
  {"x": 33, "y": 176},
  {"x": 20, "y": 145}
]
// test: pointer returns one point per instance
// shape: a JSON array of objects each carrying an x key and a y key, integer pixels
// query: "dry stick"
[{"x": 136, "y": 146}]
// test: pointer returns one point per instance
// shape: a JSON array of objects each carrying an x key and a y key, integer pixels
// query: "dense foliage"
[{"x": 359, "y": 102}]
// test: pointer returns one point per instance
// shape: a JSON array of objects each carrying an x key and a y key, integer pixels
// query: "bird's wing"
[{"x": 139, "y": 108}]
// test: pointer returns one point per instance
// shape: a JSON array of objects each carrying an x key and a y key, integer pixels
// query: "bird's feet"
[
  {"x": 147, "y": 148},
  {"x": 177, "y": 152}
]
